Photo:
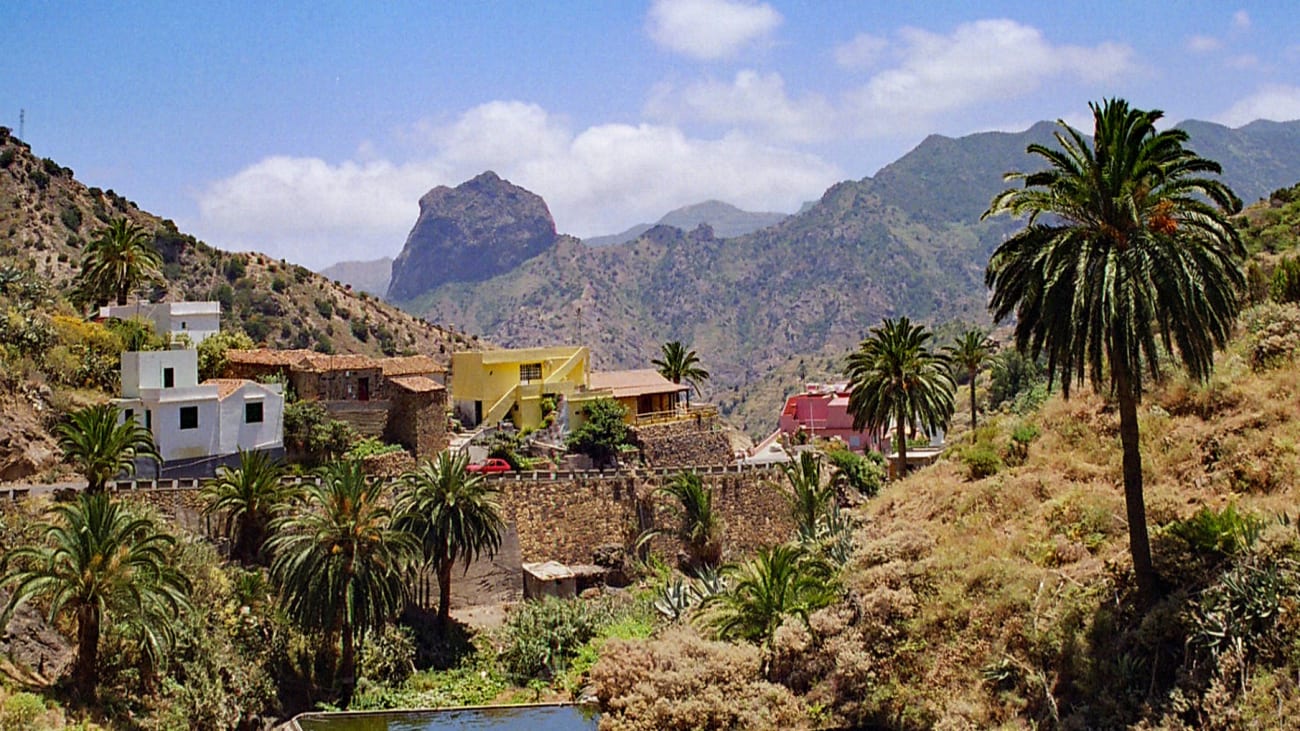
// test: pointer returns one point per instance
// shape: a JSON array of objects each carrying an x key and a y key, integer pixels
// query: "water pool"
[{"x": 506, "y": 718}]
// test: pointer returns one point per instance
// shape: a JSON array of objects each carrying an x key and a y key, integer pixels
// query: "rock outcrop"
[{"x": 480, "y": 228}]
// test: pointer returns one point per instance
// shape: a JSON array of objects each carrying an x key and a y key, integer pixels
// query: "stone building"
[{"x": 417, "y": 415}]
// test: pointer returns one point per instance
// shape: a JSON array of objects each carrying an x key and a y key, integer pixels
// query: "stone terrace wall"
[
  {"x": 685, "y": 443},
  {"x": 567, "y": 520}
]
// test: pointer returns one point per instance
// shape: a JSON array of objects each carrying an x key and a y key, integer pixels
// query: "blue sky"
[{"x": 309, "y": 131}]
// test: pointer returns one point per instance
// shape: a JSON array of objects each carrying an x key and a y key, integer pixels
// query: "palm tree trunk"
[
  {"x": 347, "y": 666},
  {"x": 1139, "y": 543},
  {"x": 973, "y": 423},
  {"x": 444, "y": 591},
  {"x": 83, "y": 670},
  {"x": 902, "y": 447}
]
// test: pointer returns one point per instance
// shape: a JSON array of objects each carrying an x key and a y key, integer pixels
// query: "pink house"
[{"x": 822, "y": 410}]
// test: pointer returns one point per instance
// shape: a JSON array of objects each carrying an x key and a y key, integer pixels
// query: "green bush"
[
  {"x": 981, "y": 461},
  {"x": 1222, "y": 533},
  {"x": 543, "y": 637},
  {"x": 371, "y": 447},
  {"x": 389, "y": 657},
  {"x": 235, "y": 267},
  {"x": 27, "y": 712},
  {"x": 7, "y": 156},
  {"x": 361, "y": 330},
  {"x": 863, "y": 474},
  {"x": 1286, "y": 281},
  {"x": 325, "y": 307},
  {"x": 71, "y": 217},
  {"x": 1021, "y": 438}
]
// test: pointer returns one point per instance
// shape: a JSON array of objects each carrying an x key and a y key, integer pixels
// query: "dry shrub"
[
  {"x": 683, "y": 681},
  {"x": 1274, "y": 334}
]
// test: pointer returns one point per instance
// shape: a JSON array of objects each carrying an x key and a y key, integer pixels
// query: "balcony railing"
[{"x": 681, "y": 413}]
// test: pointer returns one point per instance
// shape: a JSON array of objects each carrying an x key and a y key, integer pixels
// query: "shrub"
[
  {"x": 1286, "y": 281},
  {"x": 71, "y": 217},
  {"x": 1021, "y": 438},
  {"x": 981, "y": 461},
  {"x": 865, "y": 474},
  {"x": 7, "y": 156},
  {"x": 542, "y": 637},
  {"x": 279, "y": 284},
  {"x": 1222, "y": 533},
  {"x": 388, "y": 657},
  {"x": 325, "y": 307},
  {"x": 361, "y": 330},
  {"x": 235, "y": 267},
  {"x": 683, "y": 681},
  {"x": 371, "y": 447},
  {"x": 27, "y": 712}
]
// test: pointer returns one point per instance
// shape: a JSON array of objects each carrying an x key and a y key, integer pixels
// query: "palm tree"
[
  {"x": 340, "y": 562},
  {"x": 779, "y": 582},
  {"x": 97, "y": 562},
  {"x": 100, "y": 447},
  {"x": 810, "y": 501},
  {"x": 698, "y": 526},
  {"x": 249, "y": 496},
  {"x": 972, "y": 350},
  {"x": 895, "y": 376},
  {"x": 679, "y": 364},
  {"x": 454, "y": 514},
  {"x": 117, "y": 259},
  {"x": 1134, "y": 252}
]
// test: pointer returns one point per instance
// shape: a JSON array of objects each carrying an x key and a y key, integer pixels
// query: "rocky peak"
[{"x": 482, "y": 227}]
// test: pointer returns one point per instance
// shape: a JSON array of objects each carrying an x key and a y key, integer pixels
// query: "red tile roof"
[
  {"x": 266, "y": 356},
  {"x": 626, "y": 384},
  {"x": 416, "y": 384},
  {"x": 226, "y": 386},
  {"x": 411, "y": 365}
]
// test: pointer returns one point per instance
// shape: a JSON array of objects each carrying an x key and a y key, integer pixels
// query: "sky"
[{"x": 309, "y": 131}]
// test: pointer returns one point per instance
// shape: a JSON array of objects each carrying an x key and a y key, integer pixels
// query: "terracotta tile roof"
[
  {"x": 225, "y": 386},
  {"x": 416, "y": 384},
  {"x": 342, "y": 362},
  {"x": 411, "y": 365},
  {"x": 266, "y": 356},
  {"x": 625, "y": 384}
]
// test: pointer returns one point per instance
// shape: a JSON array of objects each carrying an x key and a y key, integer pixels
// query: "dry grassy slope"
[
  {"x": 46, "y": 216},
  {"x": 1017, "y": 569}
]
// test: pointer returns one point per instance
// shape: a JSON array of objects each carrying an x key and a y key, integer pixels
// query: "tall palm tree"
[
  {"x": 680, "y": 365},
  {"x": 97, "y": 562},
  {"x": 972, "y": 350},
  {"x": 117, "y": 259},
  {"x": 698, "y": 526},
  {"x": 101, "y": 448},
  {"x": 340, "y": 562},
  {"x": 249, "y": 496},
  {"x": 1128, "y": 249},
  {"x": 810, "y": 500},
  {"x": 454, "y": 514},
  {"x": 895, "y": 376},
  {"x": 779, "y": 582}
]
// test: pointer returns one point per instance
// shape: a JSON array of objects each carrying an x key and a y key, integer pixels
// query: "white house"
[
  {"x": 194, "y": 320},
  {"x": 197, "y": 426}
]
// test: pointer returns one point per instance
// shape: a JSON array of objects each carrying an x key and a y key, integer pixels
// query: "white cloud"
[
  {"x": 1241, "y": 20},
  {"x": 753, "y": 101},
  {"x": 861, "y": 52},
  {"x": 987, "y": 61},
  {"x": 1243, "y": 61},
  {"x": 596, "y": 181},
  {"x": 710, "y": 29},
  {"x": 1277, "y": 102},
  {"x": 1203, "y": 44}
]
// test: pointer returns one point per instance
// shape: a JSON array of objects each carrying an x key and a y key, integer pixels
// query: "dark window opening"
[
  {"x": 148, "y": 419},
  {"x": 169, "y": 377},
  {"x": 529, "y": 372},
  {"x": 128, "y": 416},
  {"x": 189, "y": 417},
  {"x": 253, "y": 413}
]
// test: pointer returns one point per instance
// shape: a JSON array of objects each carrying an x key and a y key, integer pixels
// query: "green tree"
[
  {"x": 895, "y": 376},
  {"x": 117, "y": 259},
  {"x": 249, "y": 495},
  {"x": 680, "y": 365},
  {"x": 98, "y": 562},
  {"x": 341, "y": 563},
  {"x": 100, "y": 447},
  {"x": 810, "y": 499},
  {"x": 454, "y": 514},
  {"x": 783, "y": 581},
  {"x": 603, "y": 433},
  {"x": 972, "y": 350},
  {"x": 698, "y": 526},
  {"x": 213, "y": 350},
  {"x": 1128, "y": 249}
]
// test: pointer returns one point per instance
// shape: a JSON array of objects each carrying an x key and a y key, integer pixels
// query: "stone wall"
[
  {"x": 567, "y": 520},
  {"x": 391, "y": 465},
  {"x": 685, "y": 443},
  {"x": 418, "y": 421}
]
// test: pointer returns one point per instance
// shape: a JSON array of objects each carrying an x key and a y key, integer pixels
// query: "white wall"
[
  {"x": 236, "y": 434},
  {"x": 143, "y": 370},
  {"x": 176, "y": 443}
]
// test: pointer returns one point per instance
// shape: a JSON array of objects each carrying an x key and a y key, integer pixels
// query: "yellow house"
[{"x": 490, "y": 386}]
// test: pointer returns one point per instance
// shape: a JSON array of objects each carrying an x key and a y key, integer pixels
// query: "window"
[
  {"x": 189, "y": 417},
  {"x": 183, "y": 324},
  {"x": 148, "y": 419},
  {"x": 530, "y": 372},
  {"x": 169, "y": 378},
  {"x": 253, "y": 412},
  {"x": 128, "y": 416}
]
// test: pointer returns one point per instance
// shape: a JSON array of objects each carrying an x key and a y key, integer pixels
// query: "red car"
[{"x": 493, "y": 466}]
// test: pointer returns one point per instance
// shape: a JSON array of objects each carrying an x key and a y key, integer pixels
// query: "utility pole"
[{"x": 22, "y": 122}]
